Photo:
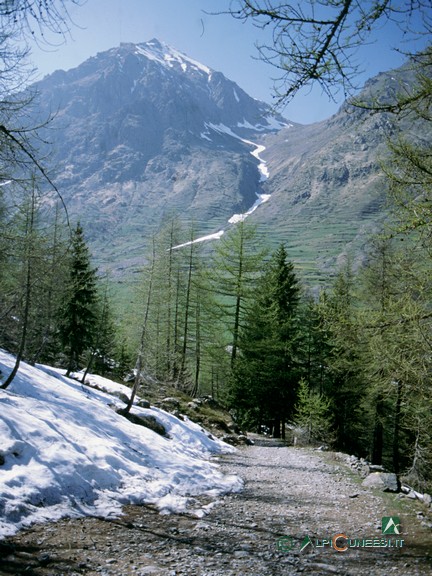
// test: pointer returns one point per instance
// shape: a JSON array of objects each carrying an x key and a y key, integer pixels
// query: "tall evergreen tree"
[
  {"x": 316, "y": 346},
  {"x": 346, "y": 385},
  {"x": 236, "y": 265},
  {"x": 268, "y": 368},
  {"x": 51, "y": 276},
  {"x": 78, "y": 314},
  {"x": 398, "y": 336},
  {"x": 313, "y": 415},
  {"x": 103, "y": 348}
]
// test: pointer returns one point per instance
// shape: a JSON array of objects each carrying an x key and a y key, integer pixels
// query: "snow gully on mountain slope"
[{"x": 261, "y": 198}]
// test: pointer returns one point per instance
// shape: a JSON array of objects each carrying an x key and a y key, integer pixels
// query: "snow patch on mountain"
[
  {"x": 264, "y": 175},
  {"x": 271, "y": 124},
  {"x": 169, "y": 57}
]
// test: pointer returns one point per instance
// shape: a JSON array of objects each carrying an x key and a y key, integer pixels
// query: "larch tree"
[
  {"x": 144, "y": 337},
  {"x": 346, "y": 383},
  {"x": 397, "y": 330},
  {"x": 25, "y": 285},
  {"x": 236, "y": 265},
  {"x": 317, "y": 41},
  {"x": 313, "y": 415},
  {"x": 22, "y": 21},
  {"x": 52, "y": 275}
]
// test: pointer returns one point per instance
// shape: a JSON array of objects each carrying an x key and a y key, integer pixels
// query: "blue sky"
[{"x": 220, "y": 42}]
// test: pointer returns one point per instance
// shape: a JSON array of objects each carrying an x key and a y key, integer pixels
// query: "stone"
[
  {"x": 427, "y": 499},
  {"x": 169, "y": 404},
  {"x": 143, "y": 403},
  {"x": 376, "y": 468},
  {"x": 121, "y": 396},
  {"x": 384, "y": 481},
  {"x": 147, "y": 421},
  {"x": 236, "y": 440},
  {"x": 210, "y": 402},
  {"x": 241, "y": 554}
]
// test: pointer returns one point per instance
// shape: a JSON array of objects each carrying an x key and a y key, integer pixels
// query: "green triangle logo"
[
  {"x": 391, "y": 525},
  {"x": 305, "y": 543}
]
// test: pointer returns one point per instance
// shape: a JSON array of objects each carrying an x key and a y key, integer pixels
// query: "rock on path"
[{"x": 290, "y": 494}]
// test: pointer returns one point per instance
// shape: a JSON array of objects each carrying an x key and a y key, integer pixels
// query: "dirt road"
[{"x": 293, "y": 497}]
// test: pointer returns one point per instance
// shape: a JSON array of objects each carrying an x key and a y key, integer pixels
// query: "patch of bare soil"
[{"x": 292, "y": 497}]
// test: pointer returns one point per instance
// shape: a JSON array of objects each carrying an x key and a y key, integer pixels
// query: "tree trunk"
[
  {"x": 239, "y": 292},
  {"x": 276, "y": 428},
  {"x": 378, "y": 436},
  {"x": 397, "y": 420},
  {"x": 27, "y": 290},
  {"x": 187, "y": 312},
  {"x": 140, "y": 358}
]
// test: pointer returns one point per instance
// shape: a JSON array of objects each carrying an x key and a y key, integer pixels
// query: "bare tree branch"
[{"x": 315, "y": 41}]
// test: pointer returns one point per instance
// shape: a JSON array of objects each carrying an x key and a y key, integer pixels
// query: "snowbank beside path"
[{"x": 64, "y": 451}]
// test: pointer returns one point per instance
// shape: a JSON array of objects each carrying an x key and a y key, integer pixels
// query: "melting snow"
[
  {"x": 271, "y": 124},
  {"x": 66, "y": 452},
  {"x": 264, "y": 174},
  {"x": 240, "y": 217},
  {"x": 214, "y": 236}
]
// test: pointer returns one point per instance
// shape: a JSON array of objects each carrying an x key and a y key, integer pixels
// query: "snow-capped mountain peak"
[
  {"x": 143, "y": 130},
  {"x": 169, "y": 57}
]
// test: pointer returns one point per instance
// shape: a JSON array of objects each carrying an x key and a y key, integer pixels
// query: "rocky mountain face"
[
  {"x": 142, "y": 132},
  {"x": 328, "y": 191}
]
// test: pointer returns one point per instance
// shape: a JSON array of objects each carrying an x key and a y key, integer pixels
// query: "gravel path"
[{"x": 290, "y": 494}]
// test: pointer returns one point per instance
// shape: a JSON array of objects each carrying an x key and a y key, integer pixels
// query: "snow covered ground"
[{"x": 64, "y": 451}]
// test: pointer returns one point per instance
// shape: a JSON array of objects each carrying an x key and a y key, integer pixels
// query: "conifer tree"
[
  {"x": 78, "y": 314},
  {"x": 312, "y": 413},
  {"x": 102, "y": 349},
  {"x": 397, "y": 328},
  {"x": 346, "y": 387},
  {"x": 26, "y": 267},
  {"x": 44, "y": 344},
  {"x": 268, "y": 369},
  {"x": 236, "y": 265}
]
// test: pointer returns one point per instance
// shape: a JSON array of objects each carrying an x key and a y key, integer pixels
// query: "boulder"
[
  {"x": 236, "y": 440},
  {"x": 120, "y": 395},
  {"x": 143, "y": 403},
  {"x": 147, "y": 421},
  {"x": 376, "y": 468},
  {"x": 169, "y": 404},
  {"x": 193, "y": 405},
  {"x": 384, "y": 481},
  {"x": 210, "y": 402}
]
